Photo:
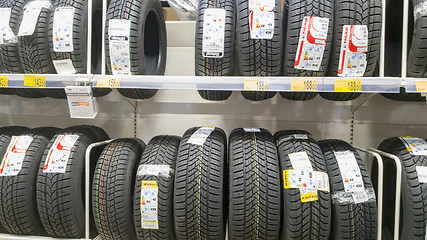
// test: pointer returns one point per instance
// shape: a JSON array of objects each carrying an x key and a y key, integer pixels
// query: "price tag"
[
  {"x": 3, "y": 81},
  {"x": 81, "y": 102},
  {"x": 34, "y": 81},
  {"x": 110, "y": 82},
  {"x": 348, "y": 85},
  {"x": 257, "y": 84},
  {"x": 304, "y": 84},
  {"x": 421, "y": 85}
]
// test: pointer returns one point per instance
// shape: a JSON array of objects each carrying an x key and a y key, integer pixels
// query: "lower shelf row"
[{"x": 198, "y": 186}]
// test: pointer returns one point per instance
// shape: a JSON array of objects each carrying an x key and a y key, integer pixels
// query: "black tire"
[
  {"x": 255, "y": 198},
  {"x": 161, "y": 150},
  {"x": 224, "y": 66},
  {"x": 199, "y": 196},
  {"x": 258, "y": 57},
  {"x": 60, "y": 196},
  {"x": 293, "y": 16},
  {"x": 79, "y": 55},
  {"x": 358, "y": 12},
  {"x": 113, "y": 186},
  {"x": 18, "y": 205},
  {"x": 147, "y": 41},
  {"x": 404, "y": 96},
  {"x": 349, "y": 221},
  {"x": 413, "y": 206},
  {"x": 309, "y": 220}
]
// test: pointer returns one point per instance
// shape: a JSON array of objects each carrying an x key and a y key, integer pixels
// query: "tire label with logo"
[
  {"x": 213, "y": 33},
  {"x": 118, "y": 33},
  {"x": 149, "y": 205},
  {"x": 354, "y": 46},
  {"x": 62, "y": 32},
  {"x": 59, "y": 154},
  {"x": 14, "y": 156}
]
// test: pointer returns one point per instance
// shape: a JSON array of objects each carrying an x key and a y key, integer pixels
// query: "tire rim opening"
[{"x": 152, "y": 43}]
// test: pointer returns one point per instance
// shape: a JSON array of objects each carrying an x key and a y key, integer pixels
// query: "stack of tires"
[
  {"x": 189, "y": 187},
  {"x": 265, "y": 45}
]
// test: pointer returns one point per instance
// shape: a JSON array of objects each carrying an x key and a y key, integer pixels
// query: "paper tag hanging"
[
  {"x": 14, "y": 156},
  {"x": 417, "y": 146},
  {"x": 350, "y": 171},
  {"x": 199, "y": 137},
  {"x": 261, "y": 24},
  {"x": 31, "y": 16},
  {"x": 312, "y": 41},
  {"x": 81, "y": 102},
  {"x": 354, "y": 46},
  {"x": 59, "y": 154},
  {"x": 149, "y": 205},
  {"x": 64, "y": 66},
  {"x": 213, "y": 33},
  {"x": 118, "y": 32},
  {"x": 62, "y": 36}
]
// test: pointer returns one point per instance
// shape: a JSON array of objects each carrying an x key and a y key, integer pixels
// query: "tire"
[
  {"x": 112, "y": 189},
  {"x": 349, "y": 221},
  {"x": 79, "y": 55},
  {"x": 161, "y": 150},
  {"x": 308, "y": 220},
  {"x": 60, "y": 196},
  {"x": 199, "y": 196},
  {"x": 223, "y": 66},
  {"x": 258, "y": 57},
  {"x": 413, "y": 217},
  {"x": 147, "y": 38},
  {"x": 293, "y": 16},
  {"x": 359, "y": 12},
  {"x": 34, "y": 53},
  {"x": 255, "y": 198},
  {"x": 18, "y": 205},
  {"x": 404, "y": 96}
]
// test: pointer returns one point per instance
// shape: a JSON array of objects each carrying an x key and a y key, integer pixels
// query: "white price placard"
[
  {"x": 62, "y": 32},
  {"x": 118, "y": 32},
  {"x": 199, "y": 137},
  {"x": 312, "y": 41},
  {"x": 213, "y": 33},
  {"x": 15, "y": 154},
  {"x": 64, "y": 66},
  {"x": 354, "y": 45},
  {"x": 81, "y": 102},
  {"x": 59, "y": 154}
]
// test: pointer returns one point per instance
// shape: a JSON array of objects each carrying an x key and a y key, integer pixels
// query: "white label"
[
  {"x": 251, "y": 130},
  {"x": 14, "y": 156},
  {"x": 300, "y": 161},
  {"x": 417, "y": 146},
  {"x": 118, "y": 32},
  {"x": 6, "y": 33},
  {"x": 312, "y": 41},
  {"x": 261, "y": 24},
  {"x": 81, "y": 102},
  {"x": 310, "y": 180},
  {"x": 350, "y": 171},
  {"x": 261, "y": 5},
  {"x": 31, "y": 16},
  {"x": 213, "y": 33},
  {"x": 354, "y": 45},
  {"x": 154, "y": 170},
  {"x": 359, "y": 197},
  {"x": 64, "y": 66},
  {"x": 300, "y": 136},
  {"x": 422, "y": 174},
  {"x": 149, "y": 205},
  {"x": 59, "y": 154},
  {"x": 63, "y": 29},
  {"x": 199, "y": 137}
]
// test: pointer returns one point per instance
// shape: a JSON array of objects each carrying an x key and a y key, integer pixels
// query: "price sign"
[
  {"x": 257, "y": 84},
  {"x": 304, "y": 84},
  {"x": 34, "y": 81},
  {"x": 3, "y": 81},
  {"x": 348, "y": 85},
  {"x": 421, "y": 86},
  {"x": 111, "y": 82}
]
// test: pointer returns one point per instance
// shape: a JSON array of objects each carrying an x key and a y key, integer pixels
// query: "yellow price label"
[
  {"x": 348, "y": 85},
  {"x": 3, "y": 81},
  {"x": 308, "y": 196},
  {"x": 34, "y": 81},
  {"x": 111, "y": 82},
  {"x": 148, "y": 184},
  {"x": 304, "y": 84},
  {"x": 257, "y": 84},
  {"x": 421, "y": 85}
]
